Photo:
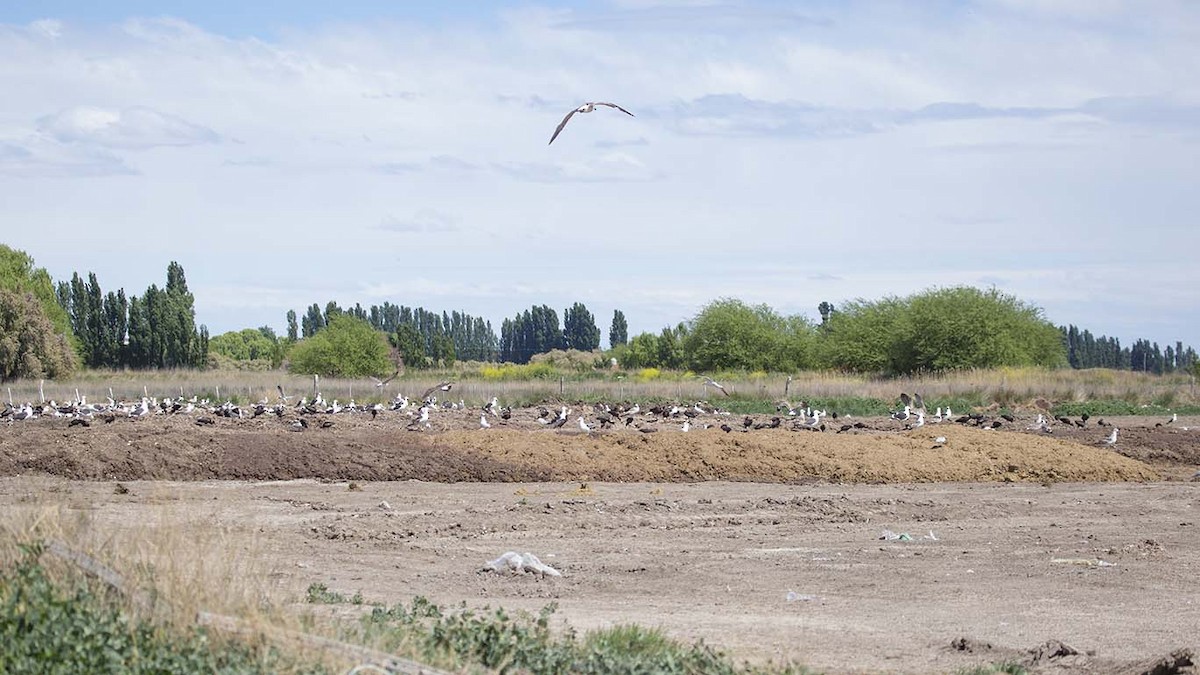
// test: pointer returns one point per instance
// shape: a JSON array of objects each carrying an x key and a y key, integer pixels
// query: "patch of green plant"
[
  {"x": 319, "y": 594},
  {"x": 50, "y": 626},
  {"x": 1007, "y": 668},
  {"x": 498, "y": 639},
  {"x": 1114, "y": 407},
  {"x": 842, "y": 405}
]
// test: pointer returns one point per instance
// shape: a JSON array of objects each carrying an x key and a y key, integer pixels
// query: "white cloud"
[{"x": 133, "y": 128}]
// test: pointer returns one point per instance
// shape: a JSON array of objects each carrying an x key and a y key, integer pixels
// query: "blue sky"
[{"x": 786, "y": 153}]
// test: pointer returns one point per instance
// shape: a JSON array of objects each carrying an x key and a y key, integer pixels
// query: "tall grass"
[{"x": 476, "y": 383}]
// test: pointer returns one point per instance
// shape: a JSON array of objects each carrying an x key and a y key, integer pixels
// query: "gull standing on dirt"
[
  {"x": 585, "y": 108},
  {"x": 584, "y": 426},
  {"x": 483, "y": 423},
  {"x": 1112, "y": 438}
]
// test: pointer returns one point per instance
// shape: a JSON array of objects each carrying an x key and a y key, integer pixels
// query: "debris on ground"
[{"x": 520, "y": 563}]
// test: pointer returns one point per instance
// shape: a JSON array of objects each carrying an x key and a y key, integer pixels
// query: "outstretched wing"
[
  {"x": 562, "y": 124},
  {"x": 918, "y": 402},
  {"x": 614, "y": 105},
  {"x": 905, "y": 399},
  {"x": 444, "y": 386}
]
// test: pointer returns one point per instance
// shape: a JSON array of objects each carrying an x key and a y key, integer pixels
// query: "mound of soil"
[{"x": 356, "y": 447}]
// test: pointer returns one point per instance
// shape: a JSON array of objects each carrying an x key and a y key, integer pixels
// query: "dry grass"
[
  {"x": 174, "y": 562},
  {"x": 1006, "y": 387}
]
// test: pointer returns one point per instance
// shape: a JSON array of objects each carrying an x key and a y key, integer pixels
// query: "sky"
[{"x": 786, "y": 153}]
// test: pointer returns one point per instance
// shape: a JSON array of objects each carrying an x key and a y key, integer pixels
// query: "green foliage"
[
  {"x": 249, "y": 344},
  {"x": 411, "y": 347},
  {"x": 29, "y": 344},
  {"x": 618, "y": 332},
  {"x": 1115, "y": 407},
  {"x": 319, "y": 594},
  {"x": 521, "y": 642},
  {"x": 534, "y": 331},
  {"x": 641, "y": 352},
  {"x": 346, "y": 347},
  {"x": 939, "y": 330},
  {"x": 18, "y": 274},
  {"x": 579, "y": 328},
  {"x": 1007, "y": 668},
  {"x": 862, "y": 336},
  {"x": 66, "y": 627},
  {"x": 157, "y": 330},
  {"x": 731, "y": 335}
]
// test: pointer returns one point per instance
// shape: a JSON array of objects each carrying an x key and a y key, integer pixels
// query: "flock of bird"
[{"x": 420, "y": 412}]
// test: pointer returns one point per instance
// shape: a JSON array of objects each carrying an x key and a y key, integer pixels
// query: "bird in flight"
[
  {"x": 381, "y": 383},
  {"x": 585, "y": 108},
  {"x": 709, "y": 382},
  {"x": 444, "y": 385}
]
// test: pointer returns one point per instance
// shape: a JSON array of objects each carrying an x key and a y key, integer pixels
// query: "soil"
[{"x": 1053, "y": 550}]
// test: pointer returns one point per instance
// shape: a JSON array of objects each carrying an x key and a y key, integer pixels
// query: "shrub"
[{"x": 346, "y": 347}]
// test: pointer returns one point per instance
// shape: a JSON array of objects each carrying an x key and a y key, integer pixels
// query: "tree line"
[
  {"x": 1087, "y": 351},
  {"x": 932, "y": 331},
  {"x": 48, "y": 329},
  {"x": 155, "y": 330}
]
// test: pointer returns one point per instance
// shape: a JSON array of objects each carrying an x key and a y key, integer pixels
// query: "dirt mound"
[{"x": 359, "y": 448}]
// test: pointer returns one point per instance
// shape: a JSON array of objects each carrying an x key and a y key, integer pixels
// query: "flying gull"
[{"x": 585, "y": 108}]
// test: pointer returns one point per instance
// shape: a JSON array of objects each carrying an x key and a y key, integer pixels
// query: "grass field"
[{"x": 1099, "y": 391}]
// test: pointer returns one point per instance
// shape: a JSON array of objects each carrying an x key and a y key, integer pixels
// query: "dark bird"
[
  {"x": 845, "y": 427},
  {"x": 381, "y": 383},
  {"x": 726, "y": 428},
  {"x": 585, "y": 108},
  {"x": 205, "y": 421},
  {"x": 1065, "y": 420},
  {"x": 79, "y": 422},
  {"x": 1008, "y": 418},
  {"x": 326, "y": 424},
  {"x": 440, "y": 386}
]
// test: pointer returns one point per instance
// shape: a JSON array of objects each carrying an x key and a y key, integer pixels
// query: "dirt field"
[{"x": 1016, "y": 539}]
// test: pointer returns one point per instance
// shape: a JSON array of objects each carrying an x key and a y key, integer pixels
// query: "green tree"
[
  {"x": 17, "y": 273},
  {"x": 618, "y": 332},
  {"x": 641, "y": 352},
  {"x": 293, "y": 332},
  {"x": 245, "y": 345},
  {"x": 346, "y": 347},
  {"x": 867, "y": 337},
  {"x": 938, "y": 330},
  {"x": 729, "y": 334},
  {"x": 579, "y": 328},
  {"x": 411, "y": 346},
  {"x": 30, "y": 346}
]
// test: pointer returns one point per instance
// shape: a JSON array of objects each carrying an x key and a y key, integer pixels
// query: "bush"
[
  {"x": 939, "y": 330},
  {"x": 49, "y": 628},
  {"x": 346, "y": 347},
  {"x": 731, "y": 335}
]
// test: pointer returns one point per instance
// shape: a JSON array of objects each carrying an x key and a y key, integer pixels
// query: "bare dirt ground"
[{"x": 1017, "y": 539}]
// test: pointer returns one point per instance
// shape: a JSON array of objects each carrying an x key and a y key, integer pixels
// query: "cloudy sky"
[{"x": 782, "y": 153}]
